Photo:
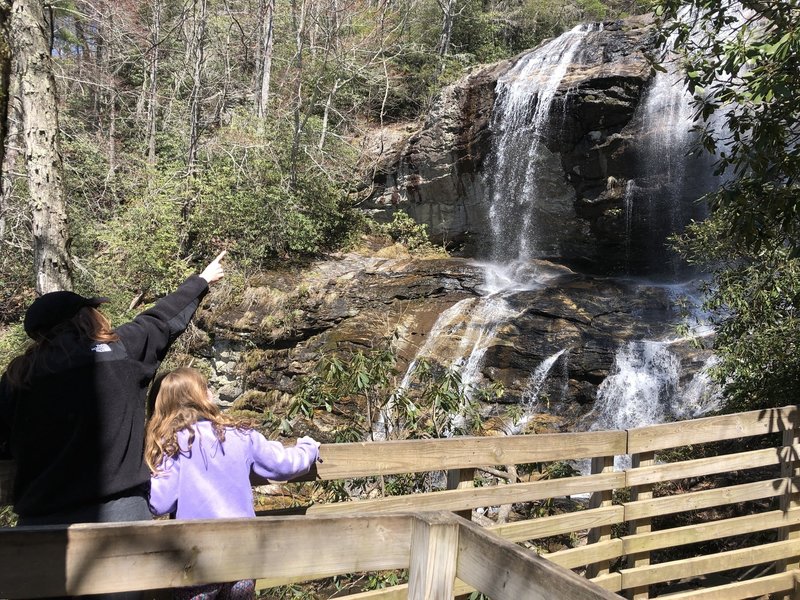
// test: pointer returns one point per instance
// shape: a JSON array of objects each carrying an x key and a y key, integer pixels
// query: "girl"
[{"x": 202, "y": 459}]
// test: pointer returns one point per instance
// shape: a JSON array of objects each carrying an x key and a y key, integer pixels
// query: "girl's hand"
[{"x": 214, "y": 271}]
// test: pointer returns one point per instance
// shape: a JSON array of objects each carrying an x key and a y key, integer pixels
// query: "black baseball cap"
[{"x": 53, "y": 308}]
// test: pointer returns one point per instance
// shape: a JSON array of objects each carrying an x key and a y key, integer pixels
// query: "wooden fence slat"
[
  {"x": 703, "y": 532},
  {"x": 705, "y": 499},
  {"x": 753, "y": 588},
  {"x": 400, "y": 592},
  {"x": 708, "y": 466},
  {"x": 362, "y": 459},
  {"x": 460, "y": 479},
  {"x": 455, "y": 500},
  {"x": 99, "y": 558},
  {"x": 572, "y": 558},
  {"x": 790, "y": 467},
  {"x": 504, "y": 571},
  {"x": 609, "y": 581},
  {"x": 602, "y": 464},
  {"x": 714, "y": 563},
  {"x": 712, "y": 429},
  {"x": 531, "y": 529}
]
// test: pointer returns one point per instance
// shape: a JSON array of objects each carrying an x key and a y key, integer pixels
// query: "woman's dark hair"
[{"x": 87, "y": 324}]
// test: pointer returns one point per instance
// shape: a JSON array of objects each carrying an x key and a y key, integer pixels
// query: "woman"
[{"x": 72, "y": 407}]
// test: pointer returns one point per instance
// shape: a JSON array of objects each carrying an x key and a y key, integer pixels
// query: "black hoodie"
[{"x": 76, "y": 431}]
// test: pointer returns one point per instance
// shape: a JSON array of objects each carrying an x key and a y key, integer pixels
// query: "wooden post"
[
  {"x": 790, "y": 467},
  {"x": 641, "y": 492},
  {"x": 434, "y": 557},
  {"x": 458, "y": 479},
  {"x": 603, "y": 464}
]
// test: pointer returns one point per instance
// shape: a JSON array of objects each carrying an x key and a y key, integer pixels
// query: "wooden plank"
[
  {"x": 572, "y": 558},
  {"x": 703, "y": 532},
  {"x": 7, "y": 470},
  {"x": 532, "y": 529},
  {"x": 602, "y": 464},
  {"x": 711, "y": 429},
  {"x": 459, "y": 479},
  {"x": 434, "y": 555},
  {"x": 753, "y": 588},
  {"x": 504, "y": 571},
  {"x": 400, "y": 592},
  {"x": 790, "y": 467},
  {"x": 708, "y": 466},
  {"x": 640, "y": 492},
  {"x": 361, "y": 459},
  {"x": 698, "y": 500},
  {"x": 610, "y": 581},
  {"x": 99, "y": 558},
  {"x": 714, "y": 563},
  {"x": 455, "y": 500}
]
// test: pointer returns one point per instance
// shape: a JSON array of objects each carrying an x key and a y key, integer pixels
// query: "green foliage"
[
  {"x": 745, "y": 74},
  {"x": 140, "y": 246},
  {"x": 436, "y": 403},
  {"x": 383, "y": 579},
  {"x": 12, "y": 343},
  {"x": 246, "y": 204},
  {"x": 7, "y": 517},
  {"x": 405, "y": 230}
]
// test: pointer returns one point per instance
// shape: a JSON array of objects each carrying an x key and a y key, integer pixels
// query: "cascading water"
[
  {"x": 524, "y": 97},
  {"x": 530, "y": 397},
  {"x": 669, "y": 180},
  {"x": 526, "y": 189}
]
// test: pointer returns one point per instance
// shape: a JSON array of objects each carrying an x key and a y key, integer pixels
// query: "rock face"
[
  {"x": 437, "y": 308},
  {"x": 590, "y": 151}
]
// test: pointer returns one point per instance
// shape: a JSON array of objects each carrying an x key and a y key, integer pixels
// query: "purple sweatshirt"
[{"x": 212, "y": 479}]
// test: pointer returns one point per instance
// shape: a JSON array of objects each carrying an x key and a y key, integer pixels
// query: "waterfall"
[
  {"x": 524, "y": 97},
  {"x": 535, "y": 382},
  {"x": 637, "y": 390},
  {"x": 644, "y": 388},
  {"x": 669, "y": 179},
  {"x": 628, "y": 202}
]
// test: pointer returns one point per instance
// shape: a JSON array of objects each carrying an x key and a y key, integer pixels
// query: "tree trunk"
[
  {"x": 267, "y": 40},
  {"x": 299, "y": 24},
  {"x": 152, "y": 106},
  {"x": 198, "y": 54},
  {"x": 5, "y": 82},
  {"x": 42, "y": 152},
  {"x": 448, "y": 8}
]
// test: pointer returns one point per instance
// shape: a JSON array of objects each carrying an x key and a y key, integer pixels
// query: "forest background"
[{"x": 140, "y": 137}]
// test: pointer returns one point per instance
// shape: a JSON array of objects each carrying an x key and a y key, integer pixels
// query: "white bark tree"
[{"x": 31, "y": 47}]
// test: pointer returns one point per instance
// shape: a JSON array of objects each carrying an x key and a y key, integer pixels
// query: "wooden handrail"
[{"x": 435, "y": 547}]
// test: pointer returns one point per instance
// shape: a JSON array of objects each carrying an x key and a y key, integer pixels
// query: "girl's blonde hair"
[{"x": 181, "y": 399}]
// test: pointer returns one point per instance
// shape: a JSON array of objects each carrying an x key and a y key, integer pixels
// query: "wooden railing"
[
  {"x": 436, "y": 548},
  {"x": 635, "y": 533}
]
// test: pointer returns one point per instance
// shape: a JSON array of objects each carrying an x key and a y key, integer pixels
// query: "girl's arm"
[
  {"x": 164, "y": 488},
  {"x": 272, "y": 461}
]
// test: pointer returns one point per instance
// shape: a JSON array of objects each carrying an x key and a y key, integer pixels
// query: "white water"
[
  {"x": 524, "y": 97},
  {"x": 644, "y": 388},
  {"x": 530, "y": 397}
]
